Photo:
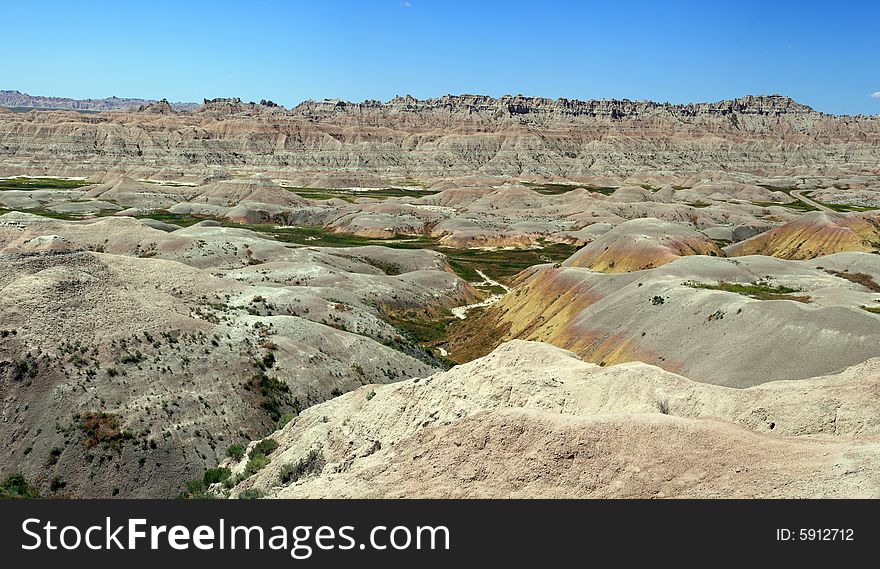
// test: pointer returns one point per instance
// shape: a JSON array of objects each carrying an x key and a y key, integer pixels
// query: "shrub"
[
  {"x": 57, "y": 484},
  {"x": 134, "y": 358},
  {"x": 264, "y": 447},
  {"x": 663, "y": 406},
  {"x": 256, "y": 463},
  {"x": 283, "y": 420},
  {"x": 16, "y": 487},
  {"x": 313, "y": 463},
  {"x": 24, "y": 368},
  {"x": 196, "y": 486},
  {"x": 214, "y": 475},
  {"x": 251, "y": 494},
  {"x": 235, "y": 451},
  {"x": 195, "y": 490},
  {"x": 53, "y": 456},
  {"x": 274, "y": 393},
  {"x": 100, "y": 427}
]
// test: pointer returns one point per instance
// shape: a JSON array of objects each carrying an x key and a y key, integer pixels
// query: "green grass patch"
[
  {"x": 425, "y": 331},
  {"x": 493, "y": 289},
  {"x": 846, "y": 208},
  {"x": 47, "y": 213},
  {"x": 796, "y": 205},
  {"x": 499, "y": 264},
  {"x": 758, "y": 291},
  {"x": 182, "y": 220},
  {"x": 551, "y": 189},
  {"x": 21, "y": 183},
  {"x": 872, "y": 309},
  {"x": 502, "y": 264}
]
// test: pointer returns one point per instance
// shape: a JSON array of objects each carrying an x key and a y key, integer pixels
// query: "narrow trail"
[
  {"x": 799, "y": 194},
  {"x": 460, "y": 312}
]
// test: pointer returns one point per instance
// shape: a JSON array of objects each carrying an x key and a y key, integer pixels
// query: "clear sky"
[{"x": 824, "y": 54}]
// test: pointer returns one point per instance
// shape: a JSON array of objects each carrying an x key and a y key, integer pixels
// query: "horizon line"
[{"x": 496, "y": 98}]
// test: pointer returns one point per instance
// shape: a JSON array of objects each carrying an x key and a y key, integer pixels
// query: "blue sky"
[{"x": 824, "y": 54}]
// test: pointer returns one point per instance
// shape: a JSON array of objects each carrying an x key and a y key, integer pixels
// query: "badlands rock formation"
[
  {"x": 131, "y": 357},
  {"x": 23, "y": 100},
  {"x": 814, "y": 235},
  {"x": 735, "y": 322},
  {"x": 449, "y": 137},
  {"x": 641, "y": 244},
  {"x": 175, "y": 282},
  {"x": 531, "y": 420}
]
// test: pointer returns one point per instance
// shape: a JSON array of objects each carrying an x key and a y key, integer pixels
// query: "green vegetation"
[
  {"x": 235, "y": 451},
  {"x": 214, "y": 475},
  {"x": 197, "y": 489},
  {"x": 16, "y": 487},
  {"x": 499, "y": 264},
  {"x": 54, "y": 453},
  {"x": 872, "y": 309},
  {"x": 45, "y": 213},
  {"x": 180, "y": 219},
  {"x": 134, "y": 358},
  {"x": 795, "y": 203},
  {"x": 313, "y": 463},
  {"x": 758, "y": 290},
  {"x": 275, "y": 396},
  {"x": 502, "y": 264},
  {"x": 257, "y": 460},
  {"x": 167, "y": 183},
  {"x": 57, "y": 484},
  {"x": 25, "y": 367},
  {"x": 845, "y": 208},
  {"x": 561, "y": 188},
  {"x": 264, "y": 447},
  {"x": 22, "y": 183},
  {"x": 251, "y": 494},
  {"x": 284, "y": 419},
  {"x": 255, "y": 463},
  {"x": 425, "y": 331}
]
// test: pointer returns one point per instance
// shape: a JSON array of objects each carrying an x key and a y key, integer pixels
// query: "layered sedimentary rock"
[
  {"x": 735, "y": 322},
  {"x": 132, "y": 357},
  {"x": 23, "y": 100},
  {"x": 815, "y": 234},
  {"x": 642, "y": 244},
  {"x": 446, "y": 137}
]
